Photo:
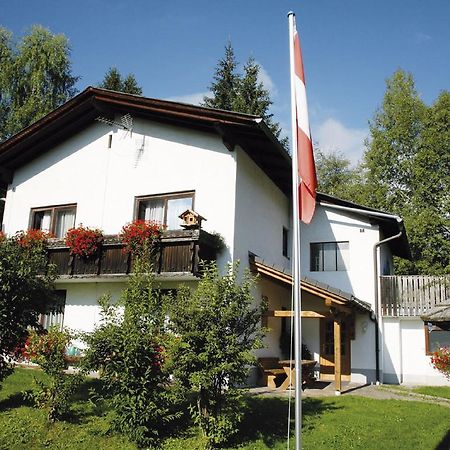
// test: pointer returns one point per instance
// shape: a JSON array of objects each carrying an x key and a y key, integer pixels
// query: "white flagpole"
[{"x": 296, "y": 248}]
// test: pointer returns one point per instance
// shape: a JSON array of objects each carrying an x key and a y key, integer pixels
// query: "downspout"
[{"x": 377, "y": 317}]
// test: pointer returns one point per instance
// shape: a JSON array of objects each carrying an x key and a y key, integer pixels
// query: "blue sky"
[{"x": 349, "y": 47}]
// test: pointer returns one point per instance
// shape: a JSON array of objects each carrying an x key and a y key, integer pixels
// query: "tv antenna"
[{"x": 126, "y": 122}]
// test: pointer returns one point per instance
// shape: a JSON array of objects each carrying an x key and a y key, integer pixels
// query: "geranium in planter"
[
  {"x": 32, "y": 238},
  {"x": 140, "y": 234},
  {"x": 84, "y": 242},
  {"x": 440, "y": 360}
]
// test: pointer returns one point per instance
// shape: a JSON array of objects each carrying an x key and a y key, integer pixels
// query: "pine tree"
[
  {"x": 224, "y": 86},
  {"x": 241, "y": 92},
  {"x": 114, "y": 81}
]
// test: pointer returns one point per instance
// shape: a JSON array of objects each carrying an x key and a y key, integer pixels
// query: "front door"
[{"x": 327, "y": 349}]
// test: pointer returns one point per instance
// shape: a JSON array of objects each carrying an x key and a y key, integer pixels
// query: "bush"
[
  {"x": 128, "y": 350},
  {"x": 23, "y": 294},
  {"x": 218, "y": 328},
  {"x": 48, "y": 349}
]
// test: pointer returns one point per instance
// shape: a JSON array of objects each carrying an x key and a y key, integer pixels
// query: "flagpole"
[{"x": 296, "y": 247}]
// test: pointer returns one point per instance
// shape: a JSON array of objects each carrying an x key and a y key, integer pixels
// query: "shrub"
[
  {"x": 218, "y": 328},
  {"x": 84, "y": 242},
  {"x": 128, "y": 350},
  {"x": 140, "y": 234},
  {"x": 23, "y": 295},
  {"x": 48, "y": 349},
  {"x": 440, "y": 359}
]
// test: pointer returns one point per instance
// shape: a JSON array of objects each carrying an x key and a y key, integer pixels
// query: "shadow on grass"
[
  {"x": 15, "y": 400},
  {"x": 266, "y": 418},
  {"x": 445, "y": 442}
]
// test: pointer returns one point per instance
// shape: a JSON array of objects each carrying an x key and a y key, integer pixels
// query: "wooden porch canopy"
[
  {"x": 440, "y": 315},
  {"x": 338, "y": 304}
]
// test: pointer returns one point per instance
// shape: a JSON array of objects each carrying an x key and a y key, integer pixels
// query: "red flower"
[
  {"x": 31, "y": 238},
  {"x": 440, "y": 359},
  {"x": 84, "y": 242},
  {"x": 137, "y": 234}
]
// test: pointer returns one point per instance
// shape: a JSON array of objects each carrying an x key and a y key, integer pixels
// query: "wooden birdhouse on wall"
[{"x": 191, "y": 220}]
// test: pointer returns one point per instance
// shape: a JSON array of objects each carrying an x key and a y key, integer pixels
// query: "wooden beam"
[
  {"x": 337, "y": 356},
  {"x": 304, "y": 314}
]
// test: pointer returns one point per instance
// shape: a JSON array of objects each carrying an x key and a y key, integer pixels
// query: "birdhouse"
[{"x": 191, "y": 220}]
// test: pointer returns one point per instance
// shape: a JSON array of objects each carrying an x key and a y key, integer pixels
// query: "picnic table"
[{"x": 289, "y": 368}]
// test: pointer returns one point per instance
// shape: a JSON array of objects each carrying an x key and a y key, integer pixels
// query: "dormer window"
[
  {"x": 165, "y": 209},
  {"x": 54, "y": 219}
]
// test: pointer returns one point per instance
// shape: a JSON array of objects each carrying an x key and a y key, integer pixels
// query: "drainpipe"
[{"x": 377, "y": 318}]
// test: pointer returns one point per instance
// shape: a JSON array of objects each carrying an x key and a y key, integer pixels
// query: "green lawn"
[
  {"x": 435, "y": 391},
  {"x": 344, "y": 422}
]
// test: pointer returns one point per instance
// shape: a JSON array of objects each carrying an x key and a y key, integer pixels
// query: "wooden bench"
[{"x": 270, "y": 369}]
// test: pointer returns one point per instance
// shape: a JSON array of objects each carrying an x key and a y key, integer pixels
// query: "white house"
[{"x": 105, "y": 158}]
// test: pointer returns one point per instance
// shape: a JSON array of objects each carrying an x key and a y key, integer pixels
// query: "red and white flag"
[{"x": 305, "y": 156}]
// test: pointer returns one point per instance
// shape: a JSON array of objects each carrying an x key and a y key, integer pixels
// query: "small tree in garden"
[
  {"x": 218, "y": 328},
  {"x": 440, "y": 360},
  {"x": 48, "y": 349},
  {"x": 128, "y": 348},
  {"x": 23, "y": 294}
]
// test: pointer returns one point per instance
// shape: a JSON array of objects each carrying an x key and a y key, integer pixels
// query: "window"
[
  {"x": 55, "y": 317},
  {"x": 165, "y": 209},
  {"x": 435, "y": 337},
  {"x": 55, "y": 219},
  {"x": 285, "y": 242},
  {"x": 329, "y": 256}
]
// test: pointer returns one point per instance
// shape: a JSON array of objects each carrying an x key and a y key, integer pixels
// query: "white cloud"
[
  {"x": 331, "y": 135},
  {"x": 192, "y": 99},
  {"x": 266, "y": 80},
  {"x": 420, "y": 38}
]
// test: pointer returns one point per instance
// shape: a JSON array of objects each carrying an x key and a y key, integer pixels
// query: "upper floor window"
[
  {"x": 165, "y": 209},
  {"x": 54, "y": 219},
  {"x": 329, "y": 256}
]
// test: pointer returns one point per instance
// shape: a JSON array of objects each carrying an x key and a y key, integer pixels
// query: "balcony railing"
[
  {"x": 178, "y": 251},
  {"x": 413, "y": 295}
]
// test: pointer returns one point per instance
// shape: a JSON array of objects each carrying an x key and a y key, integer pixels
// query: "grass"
[
  {"x": 433, "y": 391},
  {"x": 346, "y": 422}
]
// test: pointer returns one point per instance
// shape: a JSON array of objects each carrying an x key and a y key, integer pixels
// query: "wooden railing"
[
  {"x": 412, "y": 295},
  {"x": 177, "y": 252}
]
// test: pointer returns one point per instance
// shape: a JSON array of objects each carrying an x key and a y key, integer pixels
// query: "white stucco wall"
[
  {"x": 262, "y": 210},
  {"x": 328, "y": 225},
  {"x": 404, "y": 359},
  {"x": 104, "y": 182}
]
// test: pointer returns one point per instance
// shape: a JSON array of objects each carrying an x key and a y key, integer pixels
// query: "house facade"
[{"x": 105, "y": 158}]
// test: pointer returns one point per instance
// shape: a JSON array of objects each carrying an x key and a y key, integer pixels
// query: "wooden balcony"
[
  {"x": 178, "y": 252},
  {"x": 412, "y": 295}
]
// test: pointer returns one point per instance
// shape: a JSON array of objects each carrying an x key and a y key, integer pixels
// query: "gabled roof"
[
  {"x": 245, "y": 130},
  {"x": 248, "y": 131},
  {"x": 390, "y": 224}
]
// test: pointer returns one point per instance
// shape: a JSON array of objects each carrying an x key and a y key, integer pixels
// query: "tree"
[
  {"x": 408, "y": 171},
  {"x": 243, "y": 93},
  {"x": 35, "y": 77},
  {"x": 224, "y": 86},
  {"x": 128, "y": 348},
  {"x": 114, "y": 81},
  {"x": 336, "y": 177},
  {"x": 218, "y": 328},
  {"x": 395, "y": 134},
  {"x": 26, "y": 291}
]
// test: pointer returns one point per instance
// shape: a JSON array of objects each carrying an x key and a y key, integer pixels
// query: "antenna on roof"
[{"x": 126, "y": 122}]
